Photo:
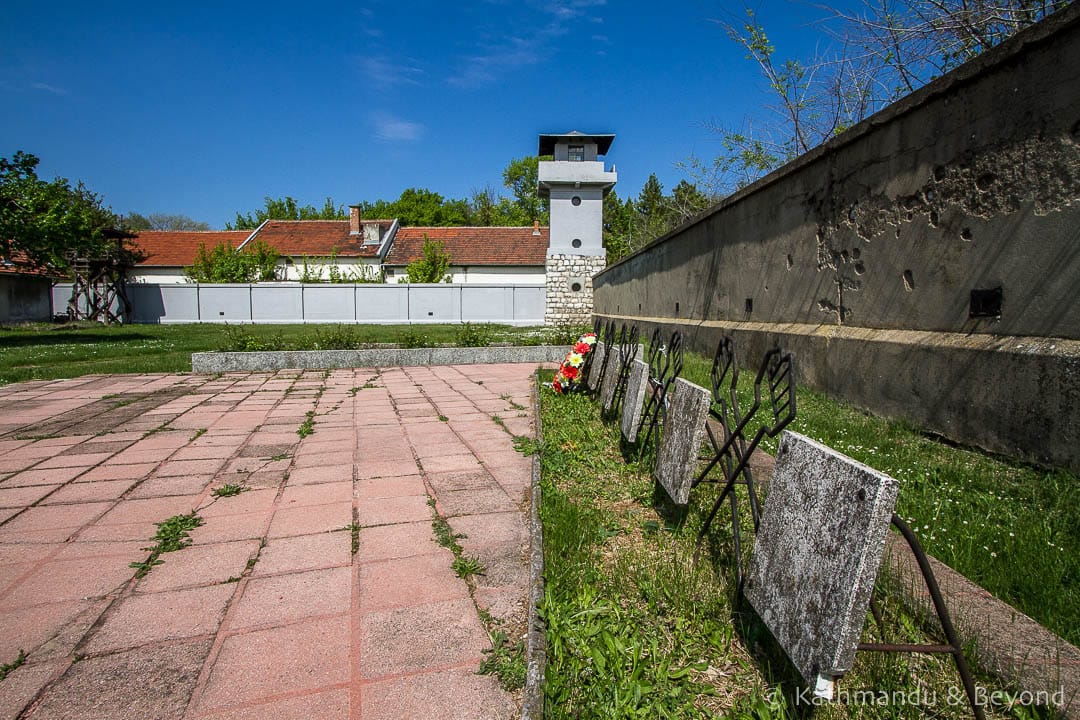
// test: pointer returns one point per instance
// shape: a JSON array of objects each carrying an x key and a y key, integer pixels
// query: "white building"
[
  {"x": 168, "y": 252},
  {"x": 494, "y": 255},
  {"x": 355, "y": 249}
]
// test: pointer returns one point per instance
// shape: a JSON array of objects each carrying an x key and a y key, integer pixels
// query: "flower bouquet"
[{"x": 570, "y": 377}]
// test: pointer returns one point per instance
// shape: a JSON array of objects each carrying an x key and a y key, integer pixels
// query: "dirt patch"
[{"x": 101, "y": 416}]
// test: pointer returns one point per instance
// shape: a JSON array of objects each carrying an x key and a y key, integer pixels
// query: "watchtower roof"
[{"x": 548, "y": 142}]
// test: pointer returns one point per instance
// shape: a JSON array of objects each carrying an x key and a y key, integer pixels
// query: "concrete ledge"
[
  {"x": 211, "y": 362},
  {"x": 1018, "y": 396}
]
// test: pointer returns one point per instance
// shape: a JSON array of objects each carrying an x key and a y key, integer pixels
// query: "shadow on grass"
[
  {"x": 67, "y": 337},
  {"x": 776, "y": 668}
]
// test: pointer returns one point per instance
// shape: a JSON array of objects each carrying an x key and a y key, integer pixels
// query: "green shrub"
[
  {"x": 414, "y": 339},
  {"x": 432, "y": 266},
  {"x": 222, "y": 264},
  {"x": 240, "y": 339},
  {"x": 469, "y": 335}
]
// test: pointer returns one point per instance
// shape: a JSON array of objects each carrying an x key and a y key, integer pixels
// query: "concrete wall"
[
  {"x": 144, "y": 274},
  {"x": 323, "y": 303},
  {"x": 26, "y": 299},
  {"x": 864, "y": 255}
]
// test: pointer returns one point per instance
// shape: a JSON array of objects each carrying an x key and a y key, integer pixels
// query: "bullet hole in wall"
[{"x": 986, "y": 302}]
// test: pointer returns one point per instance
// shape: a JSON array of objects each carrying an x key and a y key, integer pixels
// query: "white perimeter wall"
[{"x": 324, "y": 303}]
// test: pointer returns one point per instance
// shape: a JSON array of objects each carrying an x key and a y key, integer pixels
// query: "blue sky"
[{"x": 205, "y": 108}]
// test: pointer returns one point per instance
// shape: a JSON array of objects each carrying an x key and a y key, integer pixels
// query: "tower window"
[
  {"x": 575, "y": 153},
  {"x": 575, "y": 201},
  {"x": 576, "y": 242}
]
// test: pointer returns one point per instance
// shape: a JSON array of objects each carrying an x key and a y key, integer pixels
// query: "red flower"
[
  {"x": 581, "y": 348},
  {"x": 569, "y": 372}
]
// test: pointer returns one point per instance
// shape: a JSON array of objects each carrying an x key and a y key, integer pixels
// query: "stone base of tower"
[{"x": 570, "y": 288}]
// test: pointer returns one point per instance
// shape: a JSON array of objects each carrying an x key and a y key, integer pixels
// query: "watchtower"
[{"x": 575, "y": 181}]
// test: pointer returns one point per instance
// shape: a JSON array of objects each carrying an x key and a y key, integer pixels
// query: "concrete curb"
[
  {"x": 213, "y": 362},
  {"x": 536, "y": 657},
  {"x": 1007, "y": 643}
]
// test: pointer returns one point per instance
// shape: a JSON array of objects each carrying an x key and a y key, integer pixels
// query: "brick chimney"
[{"x": 354, "y": 219}]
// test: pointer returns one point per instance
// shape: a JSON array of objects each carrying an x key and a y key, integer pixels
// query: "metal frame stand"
[
  {"x": 952, "y": 647},
  {"x": 733, "y": 454},
  {"x": 665, "y": 364},
  {"x": 628, "y": 340}
]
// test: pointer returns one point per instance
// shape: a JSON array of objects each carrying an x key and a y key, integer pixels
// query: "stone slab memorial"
[
  {"x": 684, "y": 431},
  {"x": 596, "y": 364},
  {"x": 637, "y": 384},
  {"x": 610, "y": 382},
  {"x": 817, "y": 554}
]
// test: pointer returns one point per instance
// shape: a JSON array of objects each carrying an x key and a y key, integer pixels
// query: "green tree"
[
  {"x": 618, "y": 216},
  {"x": 686, "y": 202},
  {"x": 431, "y": 266},
  {"x": 254, "y": 263},
  {"x": 885, "y": 50},
  {"x": 652, "y": 213},
  {"x": 163, "y": 221},
  {"x": 489, "y": 209},
  {"x": 521, "y": 177},
  {"x": 419, "y": 207},
  {"x": 42, "y": 222},
  {"x": 287, "y": 208},
  {"x": 630, "y": 225}
]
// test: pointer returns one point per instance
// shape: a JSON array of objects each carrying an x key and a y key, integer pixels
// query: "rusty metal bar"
[{"x": 953, "y": 640}]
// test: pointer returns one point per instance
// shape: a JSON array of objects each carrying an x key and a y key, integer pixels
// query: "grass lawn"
[
  {"x": 637, "y": 629},
  {"x": 47, "y": 351},
  {"x": 1010, "y": 527}
]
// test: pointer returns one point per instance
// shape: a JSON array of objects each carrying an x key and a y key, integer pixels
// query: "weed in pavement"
[
  {"x": 466, "y": 567},
  {"x": 308, "y": 426},
  {"x": 227, "y": 490},
  {"x": 505, "y": 660},
  {"x": 526, "y": 445},
  {"x": 172, "y": 535},
  {"x": 13, "y": 665}
]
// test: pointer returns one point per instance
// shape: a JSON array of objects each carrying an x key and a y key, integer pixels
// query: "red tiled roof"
[
  {"x": 17, "y": 264},
  {"x": 473, "y": 245},
  {"x": 176, "y": 248},
  {"x": 23, "y": 271},
  {"x": 318, "y": 238}
]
